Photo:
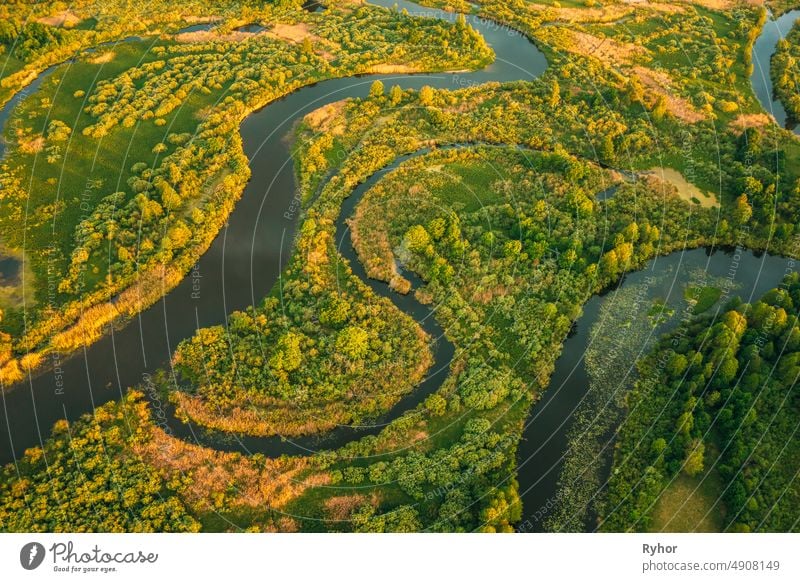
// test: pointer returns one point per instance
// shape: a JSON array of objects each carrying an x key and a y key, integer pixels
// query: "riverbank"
[{"x": 243, "y": 262}]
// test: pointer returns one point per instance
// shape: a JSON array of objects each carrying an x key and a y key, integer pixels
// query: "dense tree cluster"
[
  {"x": 510, "y": 235},
  {"x": 447, "y": 247},
  {"x": 87, "y": 479},
  {"x": 35, "y": 35},
  {"x": 28, "y": 40},
  {"x": 785, "y": 74},
  {"x": 165, "y": 208},
  {"x": 307, "y": 362},
  {"x": 510, "y": 244},
  {"x": 718, "y": 394},
  {"x": 458, "y": 487},
  {"x": 263, "y": 69}
]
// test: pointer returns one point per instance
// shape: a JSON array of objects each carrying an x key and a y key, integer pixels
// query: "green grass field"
[
  {"x": 690, "y": 504},
  {"x": 73, "y": 175}
]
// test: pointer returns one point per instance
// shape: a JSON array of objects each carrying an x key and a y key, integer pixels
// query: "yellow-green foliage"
[
  {"x": 87, "y": 479},
  {"x": 141, "y": 216},
  {"x": 785, "y": 72}
]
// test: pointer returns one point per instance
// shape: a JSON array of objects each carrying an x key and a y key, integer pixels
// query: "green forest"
[
  {"x": 784, "y": 73},
  {"x": 717, "y": 399},
  {"x": 124, "y": 226}
]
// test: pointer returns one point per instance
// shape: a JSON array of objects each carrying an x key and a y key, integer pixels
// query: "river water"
[
  {"x": 6, "y": 110},
  {"x": 242, "y": 264},
  {"x": 763, "y": 49},
  {"x": 247, "y": 257},
  {"x": 545, "y": 442}
]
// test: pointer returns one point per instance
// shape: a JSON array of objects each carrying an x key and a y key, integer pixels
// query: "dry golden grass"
[
  {"x": 211, "y": 35},
  {"x": 400, "y": 284},
  {"x": 32, "y": 146},
  {"x": 341, "y": 507},
  {"x": 291, "y": 32},
  {"x": 604, "y": 14},
  {"x": 659, "y": 83},
  {"x": 244, "y": 481},
  {"x": 748, "y": 120},
  {"x": 609, "y": 51},
  {"x": 685, "y": 189},
  {"x": 655, "y": 6},
  {"x": 372, "y": 244},
  {"x": 485, "y": 295},
  {"x": 279, "y": 418},
  {"x": 722, "y": 4},
  {"x": 296, "y": 33},
  {"x": 65, "y": 18},
  {"x": 191, "y": 18},
  {"x": 322, "y": 119},
  {"x": 687, "y": 505},
  {"x": 105, "y": 57},
  {"x": 384, "y": 69}
]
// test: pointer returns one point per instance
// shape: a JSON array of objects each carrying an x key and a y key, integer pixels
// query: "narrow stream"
[
  {"x": 18, "y": 98},
  {"x": 242, "y": 265},
  {"x": 441, "y": 348},
  {"x": 7, "y": 109}
]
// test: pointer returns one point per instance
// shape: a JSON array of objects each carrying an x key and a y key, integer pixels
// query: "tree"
[
  {"x": 436, "y": 404},
  {"x": 58, "y": 131},
  {"x": 353, "y": 343},
  {"x": 376, "y": 90},
  {"x": 426, "y": 95},
  {"x": 694, "y": 462},
  {"x": 742, "y": 211},
  {"x": 607, "y": 150},
  {"x": 289, "y": 355},
  {"x": 659, "y": 108},
  {"x": 396, "y": 95},
  {"x": 677, "y": 365},
  {"x": 335, "y": 312},
  {"x": 624, "y": 253},
  {"x": 609, "y": 265},
  {"x": 555, "y": 94},
  {"x": 512, "y": 248},
  {"x": 635, "y": 90},
  {"x": 417, "y": 239},
  {"x": 631, "y": 232},
  {"x": 659, "y": 446}
]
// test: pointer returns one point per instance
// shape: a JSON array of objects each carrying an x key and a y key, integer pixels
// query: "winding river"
[
  {"x": 246, "y": 259},
  {"x": 242, "y": 265},
  {"x": 545, "y": 442}
]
